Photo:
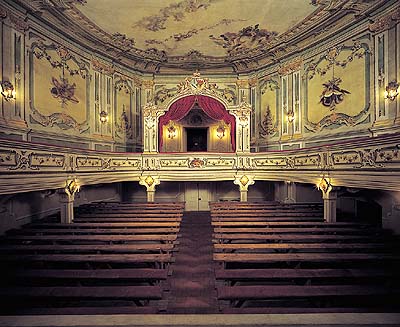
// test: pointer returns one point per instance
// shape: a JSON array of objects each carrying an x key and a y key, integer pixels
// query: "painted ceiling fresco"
[{"x": 215, "y": 28}]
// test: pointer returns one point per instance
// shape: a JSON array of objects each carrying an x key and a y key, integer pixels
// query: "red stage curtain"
[
  {"x": 177, "y": 111},
  {"x": 216, "y": 110},
  {"x": 213, "y": 108}
]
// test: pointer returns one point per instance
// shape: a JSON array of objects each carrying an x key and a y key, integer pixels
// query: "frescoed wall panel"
[
  {"x": 338, "y": 88},
  {"x": 268, "y": 126},
  {"x": 59, "y": 88}
]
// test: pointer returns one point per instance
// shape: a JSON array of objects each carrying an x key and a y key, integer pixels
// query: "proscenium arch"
[{"x": 187, "y": 102}]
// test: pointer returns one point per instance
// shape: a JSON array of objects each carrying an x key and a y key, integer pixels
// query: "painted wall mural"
[
  {"x": 338, "y": 87},
  {"x": 124, "y": 107},
  {"x": 59, "y": 88},
  {"x": 246, "y": 39},
  {"x": 268, "y": 126}
]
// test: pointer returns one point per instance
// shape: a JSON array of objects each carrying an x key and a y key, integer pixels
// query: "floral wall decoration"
[
  {"x": 268, "y": 123},
  {"x": 59, "y": 88},
  {"x": 268, "y": 126},
  {"x": 123, "y": 126}
]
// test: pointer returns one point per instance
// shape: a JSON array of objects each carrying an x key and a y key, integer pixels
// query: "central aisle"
[{"x": 193, "y": 280}]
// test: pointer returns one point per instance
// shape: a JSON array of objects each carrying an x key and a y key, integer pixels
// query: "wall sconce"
[
  {"x": 103, "y": 116},
  {"x": 7, "y": 90},
  {"x": 325, "y": 185},
  {"x": 172, "y": 132},
  {"x": 221, "y": 130},
  {"x": 72, "y": 186},
  {"x": 290, "y": 116},
  {"x": 392, "y": 90}
]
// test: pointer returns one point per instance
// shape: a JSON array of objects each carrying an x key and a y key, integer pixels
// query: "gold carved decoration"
[
  {"x": 196, "y": 85},
  {"x": 197, "y": 163},
  {"x": 148, "y": 84},
  {"x": 102, "y": 67},
  {"x": 291, "y": 66}
]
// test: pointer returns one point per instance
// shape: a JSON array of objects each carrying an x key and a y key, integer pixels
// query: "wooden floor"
[{"x": 240, "y": 258}]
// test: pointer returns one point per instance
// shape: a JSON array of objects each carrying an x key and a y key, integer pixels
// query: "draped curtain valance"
[{"x": 213, "y": 109}]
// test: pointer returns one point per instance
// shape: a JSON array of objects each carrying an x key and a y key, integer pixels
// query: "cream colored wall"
[
  {"x": 19, "y": 209},
  {"x": 61, "y": 90}
]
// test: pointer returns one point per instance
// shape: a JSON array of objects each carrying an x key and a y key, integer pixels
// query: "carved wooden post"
[
  {"x": 290, "y": 191},
  {"x": 150, "y": 182},
  {"x": 67, "y": 197},
  {"x": 244, "y": 182},
  {"x": 330, "y": 198}
]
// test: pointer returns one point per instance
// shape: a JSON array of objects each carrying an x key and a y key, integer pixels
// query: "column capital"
[
  {"x": 244, "y": 181},
  {"x": 150, "y": 182}
]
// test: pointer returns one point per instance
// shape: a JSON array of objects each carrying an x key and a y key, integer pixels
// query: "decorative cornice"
[
  {"x": 102, "y": 67},
  {"x": 317, "y": 26},
  {"x": 386, "y": 22}
]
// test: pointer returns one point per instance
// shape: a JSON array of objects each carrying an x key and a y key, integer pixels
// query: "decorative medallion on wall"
[
  {"x": 197, "y": 163},
  {"x": 332, "y": 93},
  {"x": 63, "y": 91}
]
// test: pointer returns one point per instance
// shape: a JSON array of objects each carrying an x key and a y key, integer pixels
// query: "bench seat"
[
  {"x": 303, "y": 257},
  {"x": 106, "y": 258},
  {"x": 84, "y": 248},
  {"x": 103, "y": 292},
  {"x": 294, "y": 291},
  {"x": 246, "y": 247},
  {"x": 292, "y": 274},
  {"x": 92, "y": 274},
  {"x": 94, "y": 231}
]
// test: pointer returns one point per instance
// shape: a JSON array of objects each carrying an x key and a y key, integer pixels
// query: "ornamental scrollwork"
[
  {"x": 23, "y": 161},
  {"x": 357, "y": 50},
  {"x": 40, "y": 50},
  {"x": 369, "y": 158}
]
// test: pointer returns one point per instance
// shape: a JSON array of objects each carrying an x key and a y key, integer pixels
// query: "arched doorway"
[{"x": 211, "y": 107}]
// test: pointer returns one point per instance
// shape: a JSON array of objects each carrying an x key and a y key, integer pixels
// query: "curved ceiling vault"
[{"x": 232, "y": 35}]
